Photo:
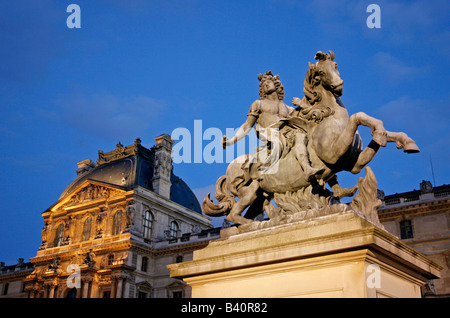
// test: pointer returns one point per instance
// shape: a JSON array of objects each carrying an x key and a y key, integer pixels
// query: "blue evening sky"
[{"x": 142, "y": 68}]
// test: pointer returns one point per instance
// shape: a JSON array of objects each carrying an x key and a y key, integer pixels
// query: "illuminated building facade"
[{"x": 114, "y": 229}]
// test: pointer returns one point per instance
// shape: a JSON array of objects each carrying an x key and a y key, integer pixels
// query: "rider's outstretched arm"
[{"x": 242, "y": 131}]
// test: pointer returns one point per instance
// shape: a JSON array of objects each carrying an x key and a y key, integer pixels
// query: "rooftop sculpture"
[{"x": 302, "y": 149}]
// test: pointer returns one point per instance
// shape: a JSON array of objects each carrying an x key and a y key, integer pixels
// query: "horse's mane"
[{"x": 312, "y": 108}]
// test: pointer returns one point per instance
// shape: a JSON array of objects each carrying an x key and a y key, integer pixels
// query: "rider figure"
[{"x": 271, "y": 113}]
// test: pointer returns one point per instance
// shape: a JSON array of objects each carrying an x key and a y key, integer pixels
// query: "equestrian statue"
[{"x": 302, "y": 150}]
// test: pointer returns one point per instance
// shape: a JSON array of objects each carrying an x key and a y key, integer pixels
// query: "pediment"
[
  {"x": 144, "y": 285},
  {"x": 176, "y": 284},
  {"x": 89, "y": 190}
]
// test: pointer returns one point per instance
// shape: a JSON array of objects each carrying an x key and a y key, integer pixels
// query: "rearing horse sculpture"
[{"x": 333, "y": 145}]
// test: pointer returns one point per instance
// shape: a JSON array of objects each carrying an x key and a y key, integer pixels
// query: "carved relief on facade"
[
  {"x": 91, "y": 192},
  {"x": 130, "y": 210},
  {"x": 68, "y": 230},
  {"x": 89, "y": 258},
  {"x": 55, "y": 265},
  {"x": 104, "y": 280},
  {"x": 76, "y": 259},
  {"x": 163, "y": 165},
  {"x": 99, "y": 223},
  {"x": 44, "y": 234},
  {"x": 121, "y": 152}
]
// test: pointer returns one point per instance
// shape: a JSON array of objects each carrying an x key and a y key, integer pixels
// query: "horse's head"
[{"x": 325, "y": 72}]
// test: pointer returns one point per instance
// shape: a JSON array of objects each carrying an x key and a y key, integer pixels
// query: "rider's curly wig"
[{"x": 268, "y": 76}]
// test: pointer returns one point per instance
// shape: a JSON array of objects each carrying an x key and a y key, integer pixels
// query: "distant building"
[
  {"x": 114, "y": 229},
  {"x": 12, "y": 278},
  {"x": 421, "y": 219}
]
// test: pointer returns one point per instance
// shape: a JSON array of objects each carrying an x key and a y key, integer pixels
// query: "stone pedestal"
[{"x": 340, "y": 255}]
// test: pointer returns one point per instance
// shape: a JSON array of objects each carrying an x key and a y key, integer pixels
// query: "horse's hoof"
[{"x": 411, "y": 147}]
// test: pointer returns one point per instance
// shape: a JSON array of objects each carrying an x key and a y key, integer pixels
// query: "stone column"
[
  {"x": 119, "y": 287},
  {"x": 51, "y": 291},
  {"x": 30, "y": 289},
  {"x": 51, "y": 287},
  {"x": 87, "y": 279}
]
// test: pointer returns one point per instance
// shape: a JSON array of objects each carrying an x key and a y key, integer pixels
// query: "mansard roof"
[{"x": 129, "y": 167}]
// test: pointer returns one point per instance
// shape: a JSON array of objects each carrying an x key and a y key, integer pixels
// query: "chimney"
[
  {"x": 85, "y": 165},
  {"x": 162, "y": 165}
]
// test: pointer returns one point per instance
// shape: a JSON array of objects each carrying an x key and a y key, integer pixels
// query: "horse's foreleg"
[
  {"x": 382, "y": 136},
  {"x": 402, "y": 141},
  {"x": 247, "y": 195},
  {"x": 379, "y": 134},
  {"x": 365, "y": 157},
  {"x": 341, "y": 144}
]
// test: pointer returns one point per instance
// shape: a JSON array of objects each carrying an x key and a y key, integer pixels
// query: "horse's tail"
[{"x": 226, "y": 200}]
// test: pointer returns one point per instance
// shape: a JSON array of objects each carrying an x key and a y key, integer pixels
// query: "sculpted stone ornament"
[
  {"x": 303, "y": 149},
  {"x": 89, "y": 258}
]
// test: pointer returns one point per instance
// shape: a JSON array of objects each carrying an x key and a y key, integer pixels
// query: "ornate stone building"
[
  {"x": 421, "y": 219},
  {"x": 114, "y": 229}
]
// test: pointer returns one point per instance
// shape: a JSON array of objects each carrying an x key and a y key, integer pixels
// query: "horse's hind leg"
[
  {"x": 257, "y": 207},
  {"x": 403, "y": 141},
  {"x": 247, "y": 195},
  {"x": 338, "y": 191}
]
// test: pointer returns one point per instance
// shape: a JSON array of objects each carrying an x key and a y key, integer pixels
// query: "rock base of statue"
[{"x": 338, "y": 255}]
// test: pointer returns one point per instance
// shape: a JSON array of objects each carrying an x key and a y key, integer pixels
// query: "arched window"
[
  {"x": 174, "y": 229},
  {"x": 117, "y": 223},
  {"x": 148, "y": 220},
  {"x": 144, "y": 264},
  {"x": 86, "y": 229},
  {"x": 59, "y": 235}
]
